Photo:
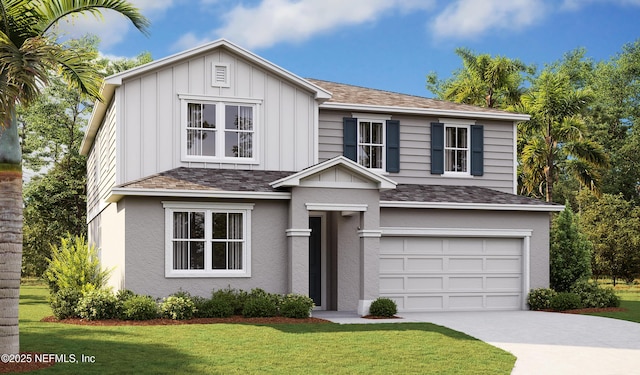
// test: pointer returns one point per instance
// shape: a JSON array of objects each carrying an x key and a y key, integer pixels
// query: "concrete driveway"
[{"x": 544, "y": 343}]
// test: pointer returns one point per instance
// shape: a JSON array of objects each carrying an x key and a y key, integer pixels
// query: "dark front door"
[{"x": 315, "y": 260}]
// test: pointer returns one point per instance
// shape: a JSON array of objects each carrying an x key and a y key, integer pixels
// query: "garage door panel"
[
  {"x": 437, "y": 273},
  {"x": 468, "y": 283},
  {"x": 506, "y": 283},
  {"x": 423, "y": 284},
  {"x": 504, "y": 264},
  {"x": 388, "y": 265},
  {"x": 424, "y": 264},
  {"x": 465, "y": 264},
  {"x": 464, "y": 246}
]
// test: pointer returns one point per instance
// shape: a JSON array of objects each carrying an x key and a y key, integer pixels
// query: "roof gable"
[{"x": 336, "y": 172}]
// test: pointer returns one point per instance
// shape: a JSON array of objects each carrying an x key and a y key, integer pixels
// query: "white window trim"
[
  {"x": 458, "y": 123},
  {"x": 185, "y": 99},
  {"x": 367, "y": 117},
  {"x": 208, "y": 208}
]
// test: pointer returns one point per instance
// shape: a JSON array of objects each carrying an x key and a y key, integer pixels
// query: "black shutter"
[
  {"x": 437, "y": 148},
  {"x": 477, "y": 150},
  {"x": 393, "y": 146},
  {"x": 350, "y": 138}
]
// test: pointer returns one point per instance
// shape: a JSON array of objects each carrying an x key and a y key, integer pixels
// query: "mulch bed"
[
  {"x": 166, "y": 322},
  {"x": 595, "y": 310}
]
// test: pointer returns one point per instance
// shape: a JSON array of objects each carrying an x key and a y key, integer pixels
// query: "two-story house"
[{"x": 215, "y": 168}]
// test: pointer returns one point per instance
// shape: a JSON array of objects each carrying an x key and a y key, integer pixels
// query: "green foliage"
[
  {"x": 215, "y": 307},
  {"x": 64, "y": 303},
  {"x": 260, "y": 304},
  {"x": 54, "y": 206},
  {"x": 540, "y": 299},
  {"x": 177, "y": 308},
  {"x": 383, "y": 307},
  {"x": 592, "y": 295},
  {"x": 565, "y": 301},
  {"x": 98, "y": 304},
  {"x": 611, "y": 223},
  {"x": 75, "y": 265},
  {"x": 570, "y": 252},
  {"x": 296, "y": 306},
  {"x": 138, "y": 308}
]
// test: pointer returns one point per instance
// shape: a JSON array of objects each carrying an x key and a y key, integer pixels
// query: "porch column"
[
  {"x": 369, "y": 260},
  {"x": 298, "y": 244}
]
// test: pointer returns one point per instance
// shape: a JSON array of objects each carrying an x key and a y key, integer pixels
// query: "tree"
[
  {"x": 492, "y": 82},
  {"x": 612, "y": 225},
  {"x": 570, "y": 252},
  {"x": 55, "y": 205},
  {"x": 555, "y": 139},
  {"x": 28, "y": 52}
]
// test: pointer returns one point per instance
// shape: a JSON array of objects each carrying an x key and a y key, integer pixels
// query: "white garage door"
[{"x": 435, "y": 273}]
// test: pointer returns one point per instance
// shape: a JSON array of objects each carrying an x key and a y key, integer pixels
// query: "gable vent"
[{"x": 220, "y": 75}]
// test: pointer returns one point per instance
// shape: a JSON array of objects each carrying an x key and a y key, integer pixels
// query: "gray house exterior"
[{"x": 215, "y": 168}]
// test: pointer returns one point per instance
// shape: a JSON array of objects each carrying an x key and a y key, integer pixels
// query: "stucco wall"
[
  {"x": 145, "y": 258},
  {"x": 538, "y": 222},
  {"x": 112, "y": 243}
]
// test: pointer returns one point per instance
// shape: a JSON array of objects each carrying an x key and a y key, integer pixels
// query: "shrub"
[
  {"x": 97, "y": 304},
  {"x": 213, "y": 307},
  {"x": 177, "y": 308},
  {"x": 540, "y": 299},
  {"x": 383, "y": 307},
  {"x": 565, "y": 301},
  {"x": 235, "y": 298},
  {"x": 591, "y": 295},
  {"x": 64, "y": 303},
  {"x": 296, "y": 306},
  {"x": 139, "y": 308},
  {"x": 260, "y": 304},
  {"x": 569, "y": 253},
  {"x": 75, "y": 265}
]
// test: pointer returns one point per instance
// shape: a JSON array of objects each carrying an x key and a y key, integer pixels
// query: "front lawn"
[
  {"x": 401, "y": 348},
  {"x": 630, "y": 300}
]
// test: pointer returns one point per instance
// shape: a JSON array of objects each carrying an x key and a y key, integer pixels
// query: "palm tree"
[
  {"x": 29, "y": 51},
  {"x": 492, "y": 82},
  {"x": 555, "y": 137}
]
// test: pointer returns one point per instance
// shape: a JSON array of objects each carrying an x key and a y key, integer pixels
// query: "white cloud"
[
  {"x": 577, "y": 4},
  {"x": 471, "y": 18},
  {"x": 188, "y": 41},
  {"x": 273, "y": 21}
]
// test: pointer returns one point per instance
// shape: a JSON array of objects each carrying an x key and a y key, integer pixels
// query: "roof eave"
[
  {"x": 97, "y": 115},
  {"x": 118, "y": 193},
  {"x": 473, "y": 206},
  {"x": 426, "y": 111}
]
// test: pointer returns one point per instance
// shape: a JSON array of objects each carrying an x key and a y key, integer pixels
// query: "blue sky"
[{"x": 385, "y": 44}]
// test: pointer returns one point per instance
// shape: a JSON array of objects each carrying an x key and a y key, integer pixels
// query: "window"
[
  {"x": 208, "y": 240},
  {"x": 373, "y": 142},
  {"x": 219, "y": 130},
  {"x": 456, "y": 149}
]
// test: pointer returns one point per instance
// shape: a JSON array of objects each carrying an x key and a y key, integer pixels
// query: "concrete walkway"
[{"x": 544, "y": 343}]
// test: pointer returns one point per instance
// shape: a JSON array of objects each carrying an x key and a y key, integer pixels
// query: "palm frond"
[{"x": 52, "y": 11}]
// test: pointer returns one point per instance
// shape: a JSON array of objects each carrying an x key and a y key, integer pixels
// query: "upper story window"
[
  {"x": 207, "y": 240},
  {"x": 456, "y": 149},
  {"x": 372, "y": 141},
  {"x": 223, "y": 130}
]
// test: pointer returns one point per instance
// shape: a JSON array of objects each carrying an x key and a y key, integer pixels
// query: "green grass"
[
  {"x": 400, "y": 348},
  {"x": 630, "y": 300}
]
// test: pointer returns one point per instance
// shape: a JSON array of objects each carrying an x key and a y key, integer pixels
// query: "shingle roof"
[
  {"x": 455, "y": 194},
  {"x": 210, "y": 179},
  {"x": 349, "y": 94},
  {"x": 259, "y": 181}
]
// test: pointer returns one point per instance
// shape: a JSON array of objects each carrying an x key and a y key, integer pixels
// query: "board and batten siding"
[
  {"x": 101, "y": 164},
  {"x": 415, "y": 156},
  {"x": 149, "y": 122}
]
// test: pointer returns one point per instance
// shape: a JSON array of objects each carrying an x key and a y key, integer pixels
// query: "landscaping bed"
[{"x": 164, "y": 321}]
